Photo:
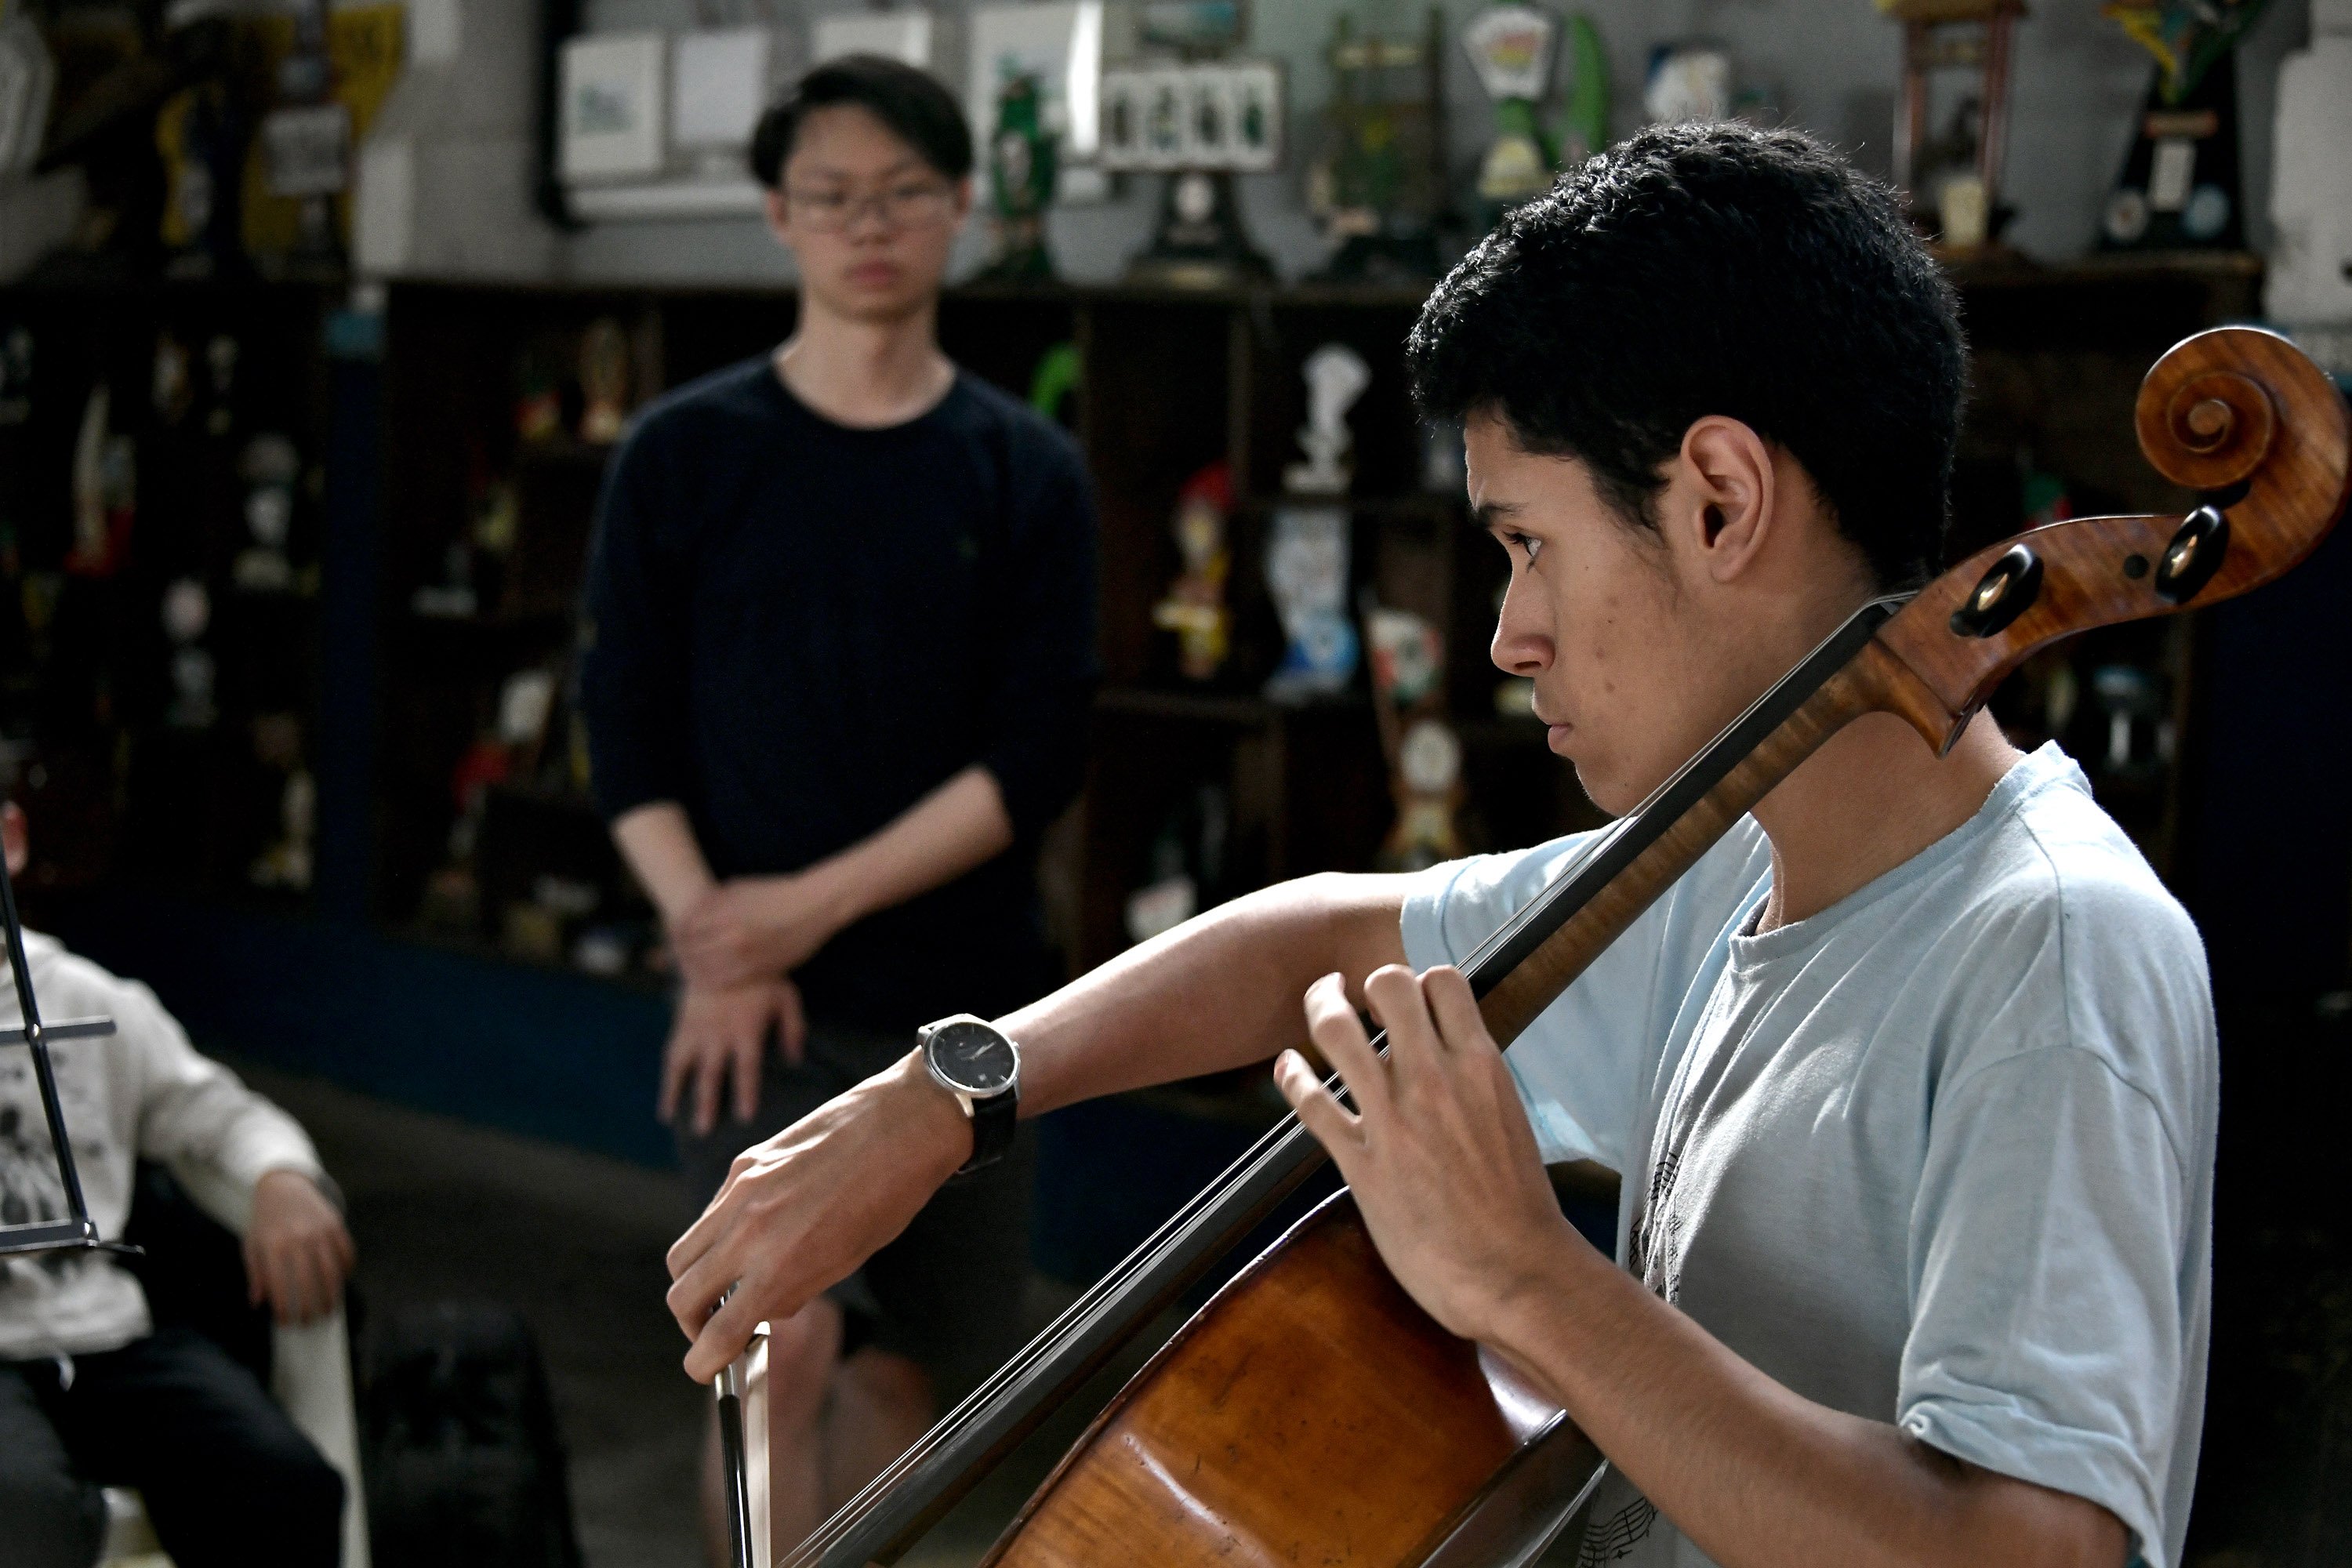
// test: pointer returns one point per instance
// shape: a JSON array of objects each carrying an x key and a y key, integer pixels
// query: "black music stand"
[{"x": 76, "y": 1231}]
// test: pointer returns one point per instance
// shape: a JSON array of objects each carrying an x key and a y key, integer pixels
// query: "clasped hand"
[
  {"x": 736, "y": 947},
  {"x": 754, "y": 928},
  {"x": 1438, "y": 1151}
]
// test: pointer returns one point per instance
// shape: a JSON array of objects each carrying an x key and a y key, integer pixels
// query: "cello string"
[{"x": 1083, "y": 1313}]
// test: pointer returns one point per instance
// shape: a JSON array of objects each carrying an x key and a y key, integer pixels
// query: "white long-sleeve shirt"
[{"x": 142, "y": 1091}]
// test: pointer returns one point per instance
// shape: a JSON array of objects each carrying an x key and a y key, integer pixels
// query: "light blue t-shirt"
[{"x": 1941, "y": 1154}]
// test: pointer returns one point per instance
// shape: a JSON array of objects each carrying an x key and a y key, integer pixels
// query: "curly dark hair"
[
  {"x": 1723, "y": 270},
  {"x": 912, "y": 103}
]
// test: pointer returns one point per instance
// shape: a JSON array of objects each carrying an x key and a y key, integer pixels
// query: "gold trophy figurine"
[{"x": 603, "y": 382}]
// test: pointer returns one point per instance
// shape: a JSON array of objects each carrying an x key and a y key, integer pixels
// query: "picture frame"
[
  {"x": 610, "y": 123},
  {"x": 903, "y": 36},
  {"x": 718, "y": 86}
]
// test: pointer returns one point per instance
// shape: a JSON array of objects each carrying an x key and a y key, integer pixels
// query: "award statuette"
[
  {"x": 2181, "y": 188},
  {"x": 1196, "y": 608},
  {"x": 1199, "y": 121},
  {"x": 1510, "y": 48},
  {"x": 1307, "y": 557},
  {"x": 1379, "y": 189},
  {"x": 603, "y": 382},
  {"x": 1952, "y": 178},
  {"x": 1425, "y": 757},
  {"x": 1021, "y": 162}
]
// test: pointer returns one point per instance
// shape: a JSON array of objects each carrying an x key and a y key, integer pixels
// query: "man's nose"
[{"x": 1519, "y": 647}]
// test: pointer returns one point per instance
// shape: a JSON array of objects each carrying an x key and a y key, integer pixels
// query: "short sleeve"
[
  {"x": 1585, "y": 1066},
  {"x": 2050, "y": 1274}
]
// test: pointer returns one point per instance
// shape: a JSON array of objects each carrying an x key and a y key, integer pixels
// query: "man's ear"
[
  {"x": 772, "y": 203},
  {"x": 16, "y": 839},
  {"x": 962, "y": 201},
  {"x": 1725, "y": 503}
]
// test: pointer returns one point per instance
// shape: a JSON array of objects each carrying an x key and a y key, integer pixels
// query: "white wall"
[{"x": 1828, "y": 65}]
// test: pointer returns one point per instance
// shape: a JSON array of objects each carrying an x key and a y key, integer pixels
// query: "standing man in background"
[{"x": 840, "y": 651}]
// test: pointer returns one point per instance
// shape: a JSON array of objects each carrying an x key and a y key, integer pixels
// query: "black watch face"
[{"x": 974, "y": 1058}]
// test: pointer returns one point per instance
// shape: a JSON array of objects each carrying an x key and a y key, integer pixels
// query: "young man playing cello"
[{"x": 1911, "y": 1079}]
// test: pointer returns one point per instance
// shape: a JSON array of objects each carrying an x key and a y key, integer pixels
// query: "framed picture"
[
  {"x": 895, "y": 35},
  {"x": 719, "y": 85},
  {"x": 1194, "y": 25},
  {"x": 610, "y": 119}
]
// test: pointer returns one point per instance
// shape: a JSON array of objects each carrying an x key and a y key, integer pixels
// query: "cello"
[{"x": 1310, "y": 1412}]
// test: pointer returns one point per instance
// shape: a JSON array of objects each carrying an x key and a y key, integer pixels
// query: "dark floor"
[{"x": 446, "y": 1211}]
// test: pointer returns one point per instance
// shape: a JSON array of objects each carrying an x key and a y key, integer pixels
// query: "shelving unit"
[
  {"x": 1171, "y": 382},
  {"x": 122, "y": 787}
]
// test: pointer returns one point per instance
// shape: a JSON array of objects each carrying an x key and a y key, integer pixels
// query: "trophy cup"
[{"x": 1306, "y": 556}]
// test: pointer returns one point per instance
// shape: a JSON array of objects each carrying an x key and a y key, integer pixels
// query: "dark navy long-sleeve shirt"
[{"x": 796, "y": 630}]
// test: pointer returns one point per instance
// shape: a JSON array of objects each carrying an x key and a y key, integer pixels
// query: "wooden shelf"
[{"x": 1222, "y": 708}]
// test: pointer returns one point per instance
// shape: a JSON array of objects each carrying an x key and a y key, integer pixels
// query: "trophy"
[
  {"x": 1307, "y": 556},
  {"x": 603, "y": 382},
  {"x": 1425, "y": 757},
  {"x": 269, "y": 467},
  {"x": 187, "y": 613},
  {"x": 1199, "y": 121},
  {"x": 1510, "y": 48},
  {"x": 1022, "y": 159},
  {"x": 1195, "y": 608},
  {"x": 1952, "y": 177},
  {"x": 1336, "y": 376},
  {"x": 105, "y": 491},
  {"x": 2179, "y": 187},
  {"x": 1379, "y": 189}
]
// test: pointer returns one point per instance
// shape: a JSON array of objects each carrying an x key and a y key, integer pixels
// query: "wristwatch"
[{"x": 977, "y": 1063}]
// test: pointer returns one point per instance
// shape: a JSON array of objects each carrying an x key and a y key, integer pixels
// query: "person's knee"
[
  {"x": 802, "y": 1352},
  {"x": 313, "y": 1490},
  {"x": 276, "y": 1500},
  {"x": 54, "y": 1518}
]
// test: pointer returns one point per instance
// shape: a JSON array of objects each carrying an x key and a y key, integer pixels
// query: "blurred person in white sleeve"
[{"x": 92, "y": 1392}]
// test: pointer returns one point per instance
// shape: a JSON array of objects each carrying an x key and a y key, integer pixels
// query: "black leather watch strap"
[{"x": 992, "y": 1120}]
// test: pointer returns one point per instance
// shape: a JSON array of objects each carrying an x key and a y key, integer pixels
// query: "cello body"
[{"x": 1253, "y": 1437}]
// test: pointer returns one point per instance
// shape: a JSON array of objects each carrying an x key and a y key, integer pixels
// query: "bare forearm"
[
  {"x": 658, "y": 843},
  {"x": 948, "y": 832},
  {"x": 1756, "y": 1475},
  {"x": 1220, "y": 991}
]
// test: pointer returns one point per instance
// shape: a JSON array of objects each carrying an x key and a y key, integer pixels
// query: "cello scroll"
[{"x": 2236, "y": 412}]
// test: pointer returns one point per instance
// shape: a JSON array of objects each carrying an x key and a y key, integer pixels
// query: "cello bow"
[{"x": 2237, "y": 415}]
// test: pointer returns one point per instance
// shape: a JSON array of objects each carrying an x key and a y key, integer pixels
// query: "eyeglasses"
[{"x": 910, "y": 205}]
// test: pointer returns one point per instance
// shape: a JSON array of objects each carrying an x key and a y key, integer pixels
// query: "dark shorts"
[{"x": 947, "y": 1293}]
